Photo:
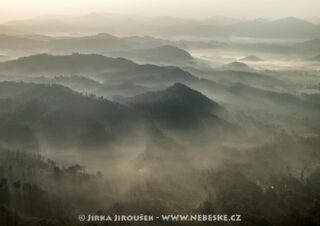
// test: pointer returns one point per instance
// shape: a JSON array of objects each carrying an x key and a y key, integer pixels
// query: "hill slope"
[
  {"x": 117, "y": 70},
  {"x": 162, "y": 54},
  {"x": 63, "y": 118},
  {"x": 178, "y": 104}
]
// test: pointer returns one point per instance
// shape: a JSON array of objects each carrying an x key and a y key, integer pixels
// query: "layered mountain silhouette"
[
  {"x": 20, "y": 43},
  {"x": 97, "y": 43},
  {"x": 177, "y": 104},
  {"x": 286, "y": 27},
  {"x": 289, "y": 27},
  {"x": 271, "y": 98},
  {"x": 64, "y": 118},
  {"x": 75, "y": 82},
  {"x": 144, "y": 49},
  {"x": 55, "y": 64},
  {"x": 104, "y": 68},
  {"x": 122, "y": 89},
  {"x": 61, "y": 97},
  {"x": 163, "y": 54},
  {"x": 283, "y": 28},
  {"x": 67, "y": 119},
  {"x": 235, "y": 75},
  {"x": 151, "y": 115}
]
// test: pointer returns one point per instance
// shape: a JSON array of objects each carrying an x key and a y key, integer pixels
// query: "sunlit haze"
[{"x": 21, "y": 9}]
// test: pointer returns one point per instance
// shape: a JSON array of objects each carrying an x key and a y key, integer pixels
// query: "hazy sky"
[{"x": 18, "y": 9}]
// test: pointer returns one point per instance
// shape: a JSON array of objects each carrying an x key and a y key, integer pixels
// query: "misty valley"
[{"x": 104, "y": 115}]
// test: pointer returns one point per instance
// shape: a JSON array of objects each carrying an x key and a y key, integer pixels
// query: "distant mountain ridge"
[
  {"x": 289, "y": 27},
  {"x": 94, "y": 65},
  {"x": 9, "y": 42},
  {"x": 166, "y": 54},
  {"x": 95, "y": 43}
]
